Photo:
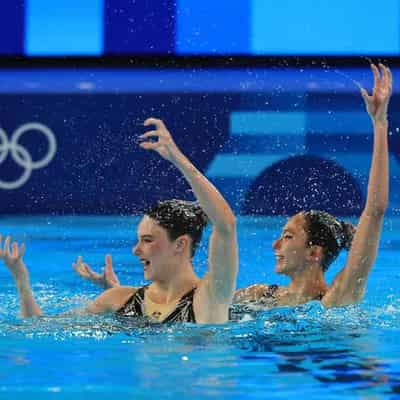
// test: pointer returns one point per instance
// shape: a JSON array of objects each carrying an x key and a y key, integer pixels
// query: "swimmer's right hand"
[
  {"x": 108, "y": 279},
  {"x": 377, "y": 103},
  {"x": 163, "y": 144},
  {"x": 12, "y": 257}
]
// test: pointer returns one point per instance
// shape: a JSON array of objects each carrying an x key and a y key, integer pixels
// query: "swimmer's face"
[
  {"x": 155, "y": 250},
  {"x": 290, "y": 249}
]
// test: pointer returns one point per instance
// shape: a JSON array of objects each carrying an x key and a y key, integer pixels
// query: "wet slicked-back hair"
[
  {"x": 324, "y": 230},
  {"x": 179, "y": 217}
]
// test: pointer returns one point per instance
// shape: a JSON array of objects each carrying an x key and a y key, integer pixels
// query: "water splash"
[{"x": 348, "y": 77}]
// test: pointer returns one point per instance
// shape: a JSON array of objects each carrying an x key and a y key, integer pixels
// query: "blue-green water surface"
[{"x": 306, "y": 351}]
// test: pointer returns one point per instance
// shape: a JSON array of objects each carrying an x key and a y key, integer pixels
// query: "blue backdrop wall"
[{"x": 273, "y": 141}]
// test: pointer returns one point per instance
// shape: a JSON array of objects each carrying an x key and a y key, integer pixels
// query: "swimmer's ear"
[
  {"x": 315, "y": 253},
  {"x": 182, "y": 243}
]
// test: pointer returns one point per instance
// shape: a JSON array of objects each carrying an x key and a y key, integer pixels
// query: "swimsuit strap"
[
  {"x": 184, "y": 309},
  {"x": 270, "y": 291},
  {"x": 319, "y": 296},
  {"x": 134, "y": 307}
]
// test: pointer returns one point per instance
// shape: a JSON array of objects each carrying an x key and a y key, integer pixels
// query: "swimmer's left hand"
[
  {"x": 165, "y": 145},
  {"x": 108, "y": 279}
]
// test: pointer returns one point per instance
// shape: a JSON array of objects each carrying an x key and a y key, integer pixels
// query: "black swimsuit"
[
  {"x": 183, "y": 312},
  {"x": 270, "y": 293},
  {"x": 268, "y": 298}
]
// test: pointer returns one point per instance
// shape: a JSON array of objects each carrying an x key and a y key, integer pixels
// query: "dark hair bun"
[
  {"x": 201, "y": 216},
  {"x": 347, "y": 234}
]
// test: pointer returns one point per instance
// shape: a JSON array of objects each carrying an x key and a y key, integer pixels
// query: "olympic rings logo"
[{"x": 21, "y": 155}]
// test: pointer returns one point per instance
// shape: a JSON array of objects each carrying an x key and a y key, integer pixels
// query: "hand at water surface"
[
  {"x": 106, "y": 280},
  {"x": 377, "y": 103},
  {"x": 12, "y": 257}
]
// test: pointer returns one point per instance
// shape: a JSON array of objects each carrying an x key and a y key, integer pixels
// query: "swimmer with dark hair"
[
  {"x": 312, "y": 240},
  {"x": 168, "y": 236}
]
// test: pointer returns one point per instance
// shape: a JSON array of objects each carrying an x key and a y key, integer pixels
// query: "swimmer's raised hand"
[
  {"x": 106, "y": 280},
  {"x": 12, "y": 257},
  {"x": 164, "y": 145},
  {"x": 377, "y": 103}
]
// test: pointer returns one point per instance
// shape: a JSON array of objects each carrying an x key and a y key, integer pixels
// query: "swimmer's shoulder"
[
  {"x": 112, "y": 299},
  {"x": 255, "y": 293}
]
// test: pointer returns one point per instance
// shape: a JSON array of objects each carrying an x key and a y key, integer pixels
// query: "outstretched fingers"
[
  {"x": 11, "y": 252},
  {"x": 154, "y": 121},
  {"x": 22, "y": 250},
  {"x": 76, "y": 268},
  {"x": 365, "y": 95},
  {"x": 109, "y": 274},
  {"x": 14, "y": 250},
  {"x": 17, "y": 251},
  {"x": 150, "y": 145},
  {"x": 160, "y": 134},
  {"x": 6, "y": 248},
  {"x": 383, "y": 74},
  {"x": 377, "y": 77},
  {"x": 79, "y": 267},
  {"x": 149, "y": 134},
  {"x": 108, "y": 261},
  {"x": 387, "y": 77},
  {"x": 78, "y": 263}
]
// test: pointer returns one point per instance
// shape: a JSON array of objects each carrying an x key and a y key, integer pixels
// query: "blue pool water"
[{"x": 306, "y": 351}]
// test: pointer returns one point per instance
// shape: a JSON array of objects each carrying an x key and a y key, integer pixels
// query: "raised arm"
[
  {"x": 109, "y": 301},
  {"x": 12, "y": 257},
  {"x": 349, "y": 285},
  {"x": 220, "y": 282}
]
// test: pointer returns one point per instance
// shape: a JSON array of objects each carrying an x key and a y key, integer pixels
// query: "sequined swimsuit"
[{"x": 183, "y": 311}]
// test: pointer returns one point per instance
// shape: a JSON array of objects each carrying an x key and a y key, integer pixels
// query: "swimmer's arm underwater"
[
  {"x": 349, "y": 285},
  {"x": 12, "y": 257}
]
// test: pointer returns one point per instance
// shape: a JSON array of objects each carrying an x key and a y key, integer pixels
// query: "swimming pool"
[{"x": 282, "y": 353}]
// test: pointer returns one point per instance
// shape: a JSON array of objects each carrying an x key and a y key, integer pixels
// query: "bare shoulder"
[
  {"x": 112, "y": 299},
  {"x": 251, "y": 293},
  {"x": 121, "y": 290},
  {"x": 120, "y": 294}
]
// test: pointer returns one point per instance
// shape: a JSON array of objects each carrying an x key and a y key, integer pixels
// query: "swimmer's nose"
[
  {"x": 136, "y": 249},
  {"x": 275, "y": 244}
]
